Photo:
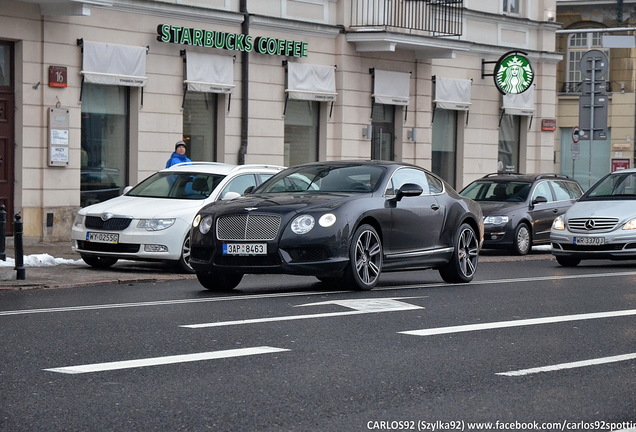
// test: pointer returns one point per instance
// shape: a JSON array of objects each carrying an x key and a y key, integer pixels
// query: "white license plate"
[
  {"x": 102, "y": 237},
  {"x": 245, "y": 249},
  {"x": 589, "y": 241}
]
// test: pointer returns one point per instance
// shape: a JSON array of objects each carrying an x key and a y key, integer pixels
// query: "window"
[
  {"x": 302, "y": 118},
  {"x": 579, "y": 44},
  {"x": 509, "y": 144},
  {"x": 5, "y": 65},
  {"x": 542, "y": 189},
  {"x": 444, "y": 155},
  {"x": 104, "y": 137},
  {"x": 511, "y": 6},
  {"x": 239, "y": 184},
  {"x": 383, "y": 125},
  {"x": 199, "y": 125},
  {"x": 409, "y": 175}
]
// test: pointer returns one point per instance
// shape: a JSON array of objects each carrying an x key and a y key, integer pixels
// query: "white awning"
[
  {"x": 311, "y": 82},
  {"x": 391, "y": 88},
  {"x": 209, "y": 73},
  {"x": 112, "y": 64},
  {"x": 452, "y": 94},
  {"x": 519, "y": 104}
]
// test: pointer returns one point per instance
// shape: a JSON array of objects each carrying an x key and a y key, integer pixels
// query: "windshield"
[
  {"x": 507, "y": 191},
  {"x": 177, "y": 185},
  {"x": 614, "y": 186},
  {"x": 325, "y": 178}
]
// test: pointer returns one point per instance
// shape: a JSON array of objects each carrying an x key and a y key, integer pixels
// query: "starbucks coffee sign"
[
  {"x": 230, "y": 41},
  {"x": 513, "y": 73}
]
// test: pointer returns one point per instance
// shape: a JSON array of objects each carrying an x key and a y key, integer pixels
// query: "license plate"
[
  {"x": 102, "y": 237},
  {"x": 589, "y": 241},
  {"x": 245, "y": 249}
]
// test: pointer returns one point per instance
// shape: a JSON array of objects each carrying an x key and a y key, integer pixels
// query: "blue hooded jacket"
[{"x": 176, "y": 158}]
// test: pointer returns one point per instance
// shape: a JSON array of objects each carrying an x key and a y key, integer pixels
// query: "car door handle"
[
  {"x": 435, "y": 206},
  {"x": 555, "y": 210}
]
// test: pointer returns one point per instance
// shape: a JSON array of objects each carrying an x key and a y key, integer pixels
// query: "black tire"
[
  {"x": 100, "y": 262},
  {"x": 365, "y": 259},
  {"x": 566, "y": 261},
  {"x": 219, "y": 280},
  {"x": 463, "y": 264},
  {"x": 522, "y": 242},
  {"x": 183, "y": 263}
]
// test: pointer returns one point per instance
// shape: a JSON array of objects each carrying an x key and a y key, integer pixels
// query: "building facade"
[
  {"x": 95, "y": 94},
  {"x": 604, "y": 32}
]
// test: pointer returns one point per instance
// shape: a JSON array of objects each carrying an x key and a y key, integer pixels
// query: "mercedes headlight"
[
  {"x": 559, "y": 223},
  {"x": 630, "y": 225}
]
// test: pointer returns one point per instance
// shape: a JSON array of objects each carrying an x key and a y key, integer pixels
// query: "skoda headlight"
[
  {"x": 303, "y": 224},
  {"x": 205, "y": 225},
  {"x": 156, "y": 224},
  {"x": 630, "y": 225},
  {"x": 496, "y": 220},
  {"x": 559, "y": 223}
]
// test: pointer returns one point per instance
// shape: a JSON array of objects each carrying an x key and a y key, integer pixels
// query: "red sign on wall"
[
  {"x": 620, "y": 164},
  {"x": 57, "y": 76}
]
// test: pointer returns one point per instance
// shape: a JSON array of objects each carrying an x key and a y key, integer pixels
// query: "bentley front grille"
[{"x": 247, "y": 227}]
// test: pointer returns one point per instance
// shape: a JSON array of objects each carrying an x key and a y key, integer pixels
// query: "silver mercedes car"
[{"x": 601, "y": 224}]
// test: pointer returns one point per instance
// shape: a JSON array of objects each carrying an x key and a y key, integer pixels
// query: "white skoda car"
[
  {"x": 601, "y": 224},
  {"x": 152, "y": 220}
]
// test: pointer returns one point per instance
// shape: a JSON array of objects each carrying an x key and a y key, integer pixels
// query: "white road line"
[
  {"x": 361, "y": 306},
  {"x": 518, "y": 323},
  {"x": 299, "y": 294},
  {"x": 157, "y": 361},
  {"x": 572, "y": 365}
]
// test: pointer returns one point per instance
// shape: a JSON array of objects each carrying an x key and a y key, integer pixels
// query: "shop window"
[
  {"x": 199, "y": 125},
  {"x": 302, "y": 118},
  {"x": 5, "y": 64},
  {"x": 509, "y": 143},
  {"x": 104, "y": 140},
  {"x": 444, "y": 156},
  {"x": 383, "y": 128}
]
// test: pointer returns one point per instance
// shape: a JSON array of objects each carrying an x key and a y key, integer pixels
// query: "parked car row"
[{"x": 347, "y": 222}]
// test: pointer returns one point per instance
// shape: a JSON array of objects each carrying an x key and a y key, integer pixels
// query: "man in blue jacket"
[{"x": 179, "y": 154}]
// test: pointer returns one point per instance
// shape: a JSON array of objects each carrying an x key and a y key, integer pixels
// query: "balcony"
[
  {"x": 574, "y": 88},
  {"x": 422, "y": 17}
]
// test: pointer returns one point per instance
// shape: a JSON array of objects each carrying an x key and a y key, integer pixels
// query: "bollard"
[
  {"x": 3, "y": 233},
  {"x": 19, "y": 250}
]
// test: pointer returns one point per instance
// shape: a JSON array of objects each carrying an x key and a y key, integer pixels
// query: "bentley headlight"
[
  {"x": 559, "y": 223},
  {"x": 630, "y": 225},
  {"x": 327, "y": 220},
  {"x": 205, "y": 225},
  {"x": 156, "y": 224},
  {"x": 196, "y": 221},
  {"x": 496, "y": 220},
  {"x": 303, "y": 224}
]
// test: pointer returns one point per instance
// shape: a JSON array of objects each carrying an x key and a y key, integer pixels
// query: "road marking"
[
  {"x": 572, "y": 365},
  {"x": 299, "y": 294},
  {"x": 518, "y": 323},
  {"x": 157, "y": 361},
  {"x": 360, "y": 306}
]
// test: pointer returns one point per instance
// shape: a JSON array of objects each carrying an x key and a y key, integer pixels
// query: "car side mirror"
[
  {"x": 126, "y": 190},
  {"x": 248, "y": 190},
  {"x": 408, "y": 190},
  {"x": 230, "y": 196},
  {"x": 539, "y": 200}
]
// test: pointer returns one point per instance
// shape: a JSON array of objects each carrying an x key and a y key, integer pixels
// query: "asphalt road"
[{"x": 528, "y": 345}]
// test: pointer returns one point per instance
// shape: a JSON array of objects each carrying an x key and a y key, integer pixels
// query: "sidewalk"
[
  {"x": 50, "y": 265},
  {"x": 53, "y": 265}
]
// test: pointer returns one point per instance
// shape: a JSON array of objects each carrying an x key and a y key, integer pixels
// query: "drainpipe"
[{"x": 245, "y": 75}]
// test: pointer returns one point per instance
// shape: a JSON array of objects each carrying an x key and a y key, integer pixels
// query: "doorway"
[{"x": 7, "y": 137}]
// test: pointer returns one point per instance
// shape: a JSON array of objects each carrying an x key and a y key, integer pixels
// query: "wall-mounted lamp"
[
  {"x": 367, "y": 131},
  {"x": 412, "y": 134},
  {"x": 550, "y": 15},
  {"x": 623, "y": 88}
]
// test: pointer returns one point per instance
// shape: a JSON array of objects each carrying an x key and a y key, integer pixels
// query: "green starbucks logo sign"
[{"x": 513, "y": 73}]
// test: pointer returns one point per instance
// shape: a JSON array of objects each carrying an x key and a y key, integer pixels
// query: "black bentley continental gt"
[{"x": 344, "y": 222}]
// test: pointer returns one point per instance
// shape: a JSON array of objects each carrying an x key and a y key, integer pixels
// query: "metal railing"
[
  {"x": 576, "y": 87},
  {"x": 433, "y": 17}
]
